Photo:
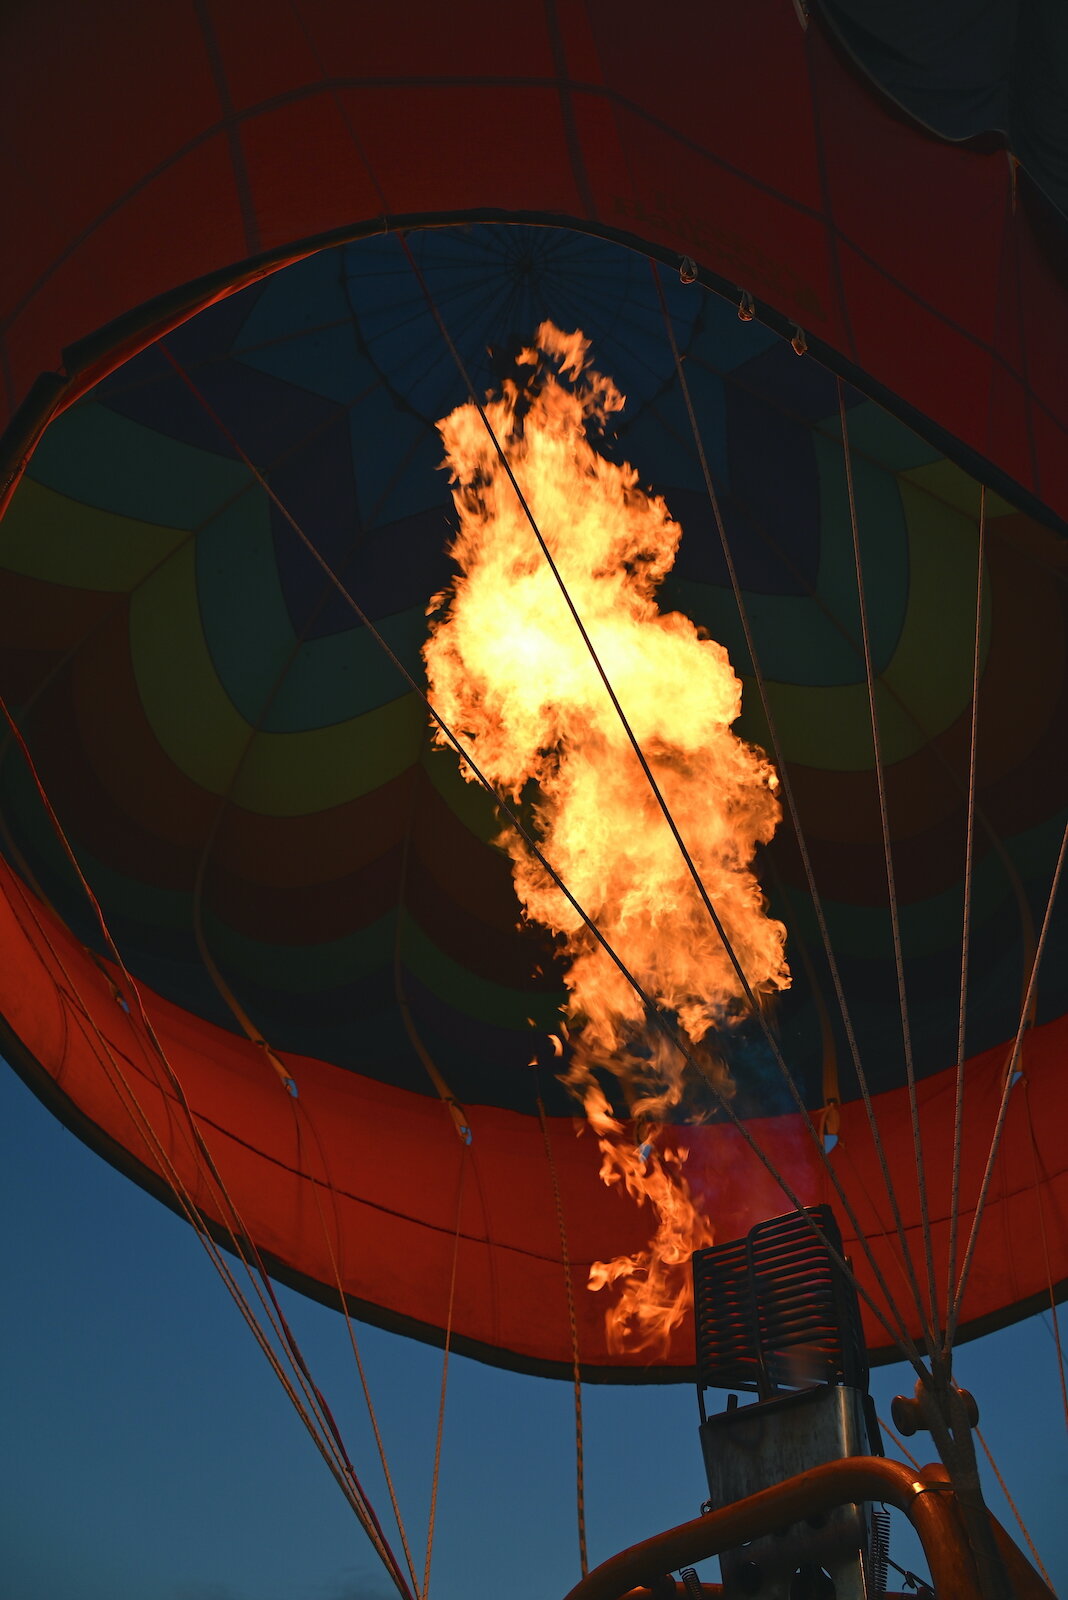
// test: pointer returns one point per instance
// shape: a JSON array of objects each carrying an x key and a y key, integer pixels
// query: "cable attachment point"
[
  {"x": 828, "y": 1124},
  {"x": 746, "y": 307},
  {"x": 799, "y": 342},
  {"x": 688, "y": 270},
  {"x": 908, "y": 1412}
]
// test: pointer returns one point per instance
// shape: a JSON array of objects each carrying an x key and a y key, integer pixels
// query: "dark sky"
[{"x": 148, "y": 1454}]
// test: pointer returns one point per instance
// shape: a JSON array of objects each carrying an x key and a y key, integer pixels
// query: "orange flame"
[{"x": 510, "y": 674}]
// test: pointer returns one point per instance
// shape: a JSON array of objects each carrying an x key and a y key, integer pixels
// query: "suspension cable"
[
  {"x": 300, "y": 1113},
  {"x": 888, "y": 1430},
  {"x": 1003, "y": 1486},
  {"x": 1006, "y": 1088},
  {"x": 969, "y": 851},
  {"x": 335, "y": 1459},
  {"x": 888, "y": 856},
  {"x": 1054, "y": 1313},
  {"x": 576, "y": 1366},
  {"x": 900, "y": 1337},
  {"x": 239, "y": 1235},
  {"x": 439, "y": 1434},
  {"x": 783, "y": 771}
]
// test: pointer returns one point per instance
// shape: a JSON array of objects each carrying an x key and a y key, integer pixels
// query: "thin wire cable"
[
  {"x": 1003, "y": 1486},
  {"x": 127, "y": 1096},
  {"x": 1006, "y": 1089},
  {"x": 754, "y": 1004},
  {"x": 969, "y": 852},
  {"x": 784, "y": 776},
  {"x": 900, "y": 1337},
  {"x": 888, "y": 1430},
  {"x": 930, "y": 1326},
  {"x": 239, "y": 1235},
  {"x": 1045, "y": 1252},
  {"x": 300, "y": 1112},
  {"x": 576, "y": 1365},
  {"x": 425, "y": 1592}
]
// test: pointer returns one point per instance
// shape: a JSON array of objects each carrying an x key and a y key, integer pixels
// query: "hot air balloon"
[{"x": 262, "y": 947}]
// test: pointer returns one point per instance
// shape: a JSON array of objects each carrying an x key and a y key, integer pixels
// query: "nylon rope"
[
  {"x": 1045, "y": 1252},
  {"x": 969, "y": 852},
  {"x": 888, "y": 1430},
  {"x": 127, "y": 1096},
  {"x": 784, "y": 776},
  {"x": 1003, "y": 1486},
  {"x": 576, "y": 1364},
  {"x": 254, "y": 1033},
  {"x": 901, "y": 1337},
  {"x": 335, "y": 1459},
  {"x": 425, "y": 1592},
  {"x": 300, "y": 1111},
  {"x": 238, "y": 1233},
  {"x": 1009, "y": 1079},
  {"x": 884, "y": 820},
  {"x": 932, "y": 750},
  {"x": 756, "y": 1009},
  {"x": 886, "y": 1230},
  {"x": 456, "y": 1111}
]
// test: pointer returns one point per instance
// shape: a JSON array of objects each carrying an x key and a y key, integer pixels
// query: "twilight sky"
[{"x": 149, "y": 1454}]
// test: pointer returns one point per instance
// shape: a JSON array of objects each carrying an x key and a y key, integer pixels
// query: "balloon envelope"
[{"x": 246, "y": 778}]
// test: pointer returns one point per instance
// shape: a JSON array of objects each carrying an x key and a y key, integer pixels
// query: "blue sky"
[{"x": 149, "y": 1454}]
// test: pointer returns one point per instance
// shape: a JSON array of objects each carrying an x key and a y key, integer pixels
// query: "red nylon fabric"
[
  {"x": 388, "y": 1164},
  {"x": 730, "y": 134},
  {"x": 148, "y": 147}
]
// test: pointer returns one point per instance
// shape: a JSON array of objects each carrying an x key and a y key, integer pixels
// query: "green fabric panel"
[
  {"x": 101, "y": 458},
  {"x": 49, "y": 536},
  {"x": 469, "y": 802},
  {"x": 287, "y": 774},
  {"x": 464, "y": 991},
  {"x": 303, "y": 968},
  {"x": 274, "y": 680}
]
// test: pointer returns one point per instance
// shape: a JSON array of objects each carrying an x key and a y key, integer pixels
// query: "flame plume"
[{"x": 510, "y": 674}]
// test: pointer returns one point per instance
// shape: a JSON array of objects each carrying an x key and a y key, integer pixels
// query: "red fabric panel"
[
  {"x": 389, "y": 1161},
  {"x": 142, "y": 152}
]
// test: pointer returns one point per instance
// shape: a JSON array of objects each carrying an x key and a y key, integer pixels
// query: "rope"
[
  {"x": 888, "y": 1430},
  {"x": 884, "y": 819},
  {"x": 1045, "y": 1252},
  {"x": 576, "y": 1367},
  {"x": 1003, "y": 1486},
  {"x": 784, "y": 779},
  {"x": 452, "y": 1105},
  {"x": 958, "y": 1115},
  {"x": 336, "y": 1461},
  {"x": 901, "y": 1337},
  {"x": 1010, "y": 1073},
  {"x": 802, "y": 845},
  {"x": 299, "y": 1111},
  {"x": 425, "y": 1593},
  {"x": 236, "y": 1230}
]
